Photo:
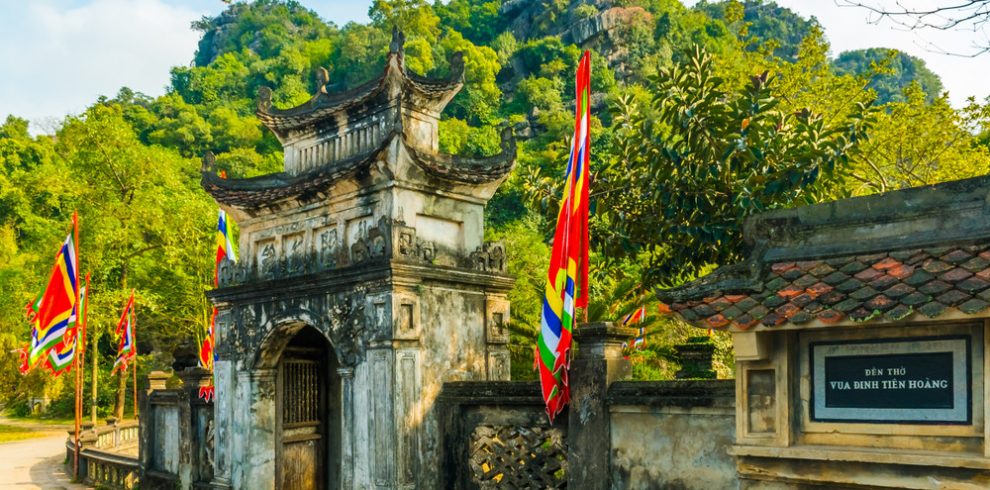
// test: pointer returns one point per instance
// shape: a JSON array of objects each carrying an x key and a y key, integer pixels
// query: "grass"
[
  {"x": 20, "y": 428},
  {"x": 10, "y": 433}
]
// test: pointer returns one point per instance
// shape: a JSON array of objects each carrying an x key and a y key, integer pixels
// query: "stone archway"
[{"x": 307, "y": 407}]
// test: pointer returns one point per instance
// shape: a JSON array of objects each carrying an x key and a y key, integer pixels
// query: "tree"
[
  {"x": 765, "y": 25},
  {"x": 890, "y": 71},
  {"x": 698, "y": 157},
  {"x": 914, "y": 143}
]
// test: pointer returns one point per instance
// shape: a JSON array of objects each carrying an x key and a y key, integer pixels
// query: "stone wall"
[
  {"x": 613, "y": 435},
  {"x": 672, "y": 434}
]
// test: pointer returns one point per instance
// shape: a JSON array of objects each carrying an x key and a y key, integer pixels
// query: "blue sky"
[{"x": 58, "y": 56}]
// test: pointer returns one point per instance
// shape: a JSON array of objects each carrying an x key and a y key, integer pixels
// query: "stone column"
[
  {"x": 598, "y": 363},
  {"x": 193, "y": 378},
  {"x": 224, "y": 395},
  {"x": 347, "y": 427},
  {"x": 259, "y": 453}
]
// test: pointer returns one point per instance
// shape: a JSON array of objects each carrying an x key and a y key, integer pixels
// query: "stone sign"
[{"x": 904, "y": 381}]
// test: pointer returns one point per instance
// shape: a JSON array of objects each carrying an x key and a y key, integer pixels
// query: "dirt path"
[{"x": 36, "y": 463}]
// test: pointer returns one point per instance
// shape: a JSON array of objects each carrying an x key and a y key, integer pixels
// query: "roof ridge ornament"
[
  {"x": 322, "y": 80},
  {"x": 264, "y": 99},
  {"x": 209, "y": 163},
  {"x": 398, "y": 43}
]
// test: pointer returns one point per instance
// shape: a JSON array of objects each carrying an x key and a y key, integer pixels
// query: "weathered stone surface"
[
  {"x": 375, "y": 241},
  {"x": 672, "y": 435}
]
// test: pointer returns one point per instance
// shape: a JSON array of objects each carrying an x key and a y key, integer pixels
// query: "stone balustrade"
[{"x": 107, "y": 454}]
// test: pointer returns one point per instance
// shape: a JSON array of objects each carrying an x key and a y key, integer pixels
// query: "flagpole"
[
  {"x": 80, "y": 364},
  {"x": 134, "y": 339},
  {"x": 78, "y": 349}
]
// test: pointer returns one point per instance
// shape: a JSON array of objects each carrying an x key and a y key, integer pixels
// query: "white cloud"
[{"x": 57, "y": 59}]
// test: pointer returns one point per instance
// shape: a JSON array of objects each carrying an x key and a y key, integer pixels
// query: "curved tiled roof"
[
  {"x": 323, "y": 104},
  {"x": 469, "y": 170},
  {"x": 257, "y": 192},
  {"x": 890, "y": 286},
  {"x": 919, "y": 253}
]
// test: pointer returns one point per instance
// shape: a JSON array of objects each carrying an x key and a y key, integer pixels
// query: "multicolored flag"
[
  {"x": 567, "y": 277},
  {"x": 53, "y": 313},
  {"x": 125, "y": 330},
  {"x": 633, "y": 318},
  {"x": 60, "y": 357},
  {"x": 225, "y": 249},
  {"x": 207, "y": 356}
]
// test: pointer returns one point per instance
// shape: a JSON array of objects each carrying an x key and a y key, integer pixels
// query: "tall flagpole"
[
  {"x": 134, "y": 339},
  {"x": 77, "y": 353},
  {"x": 80, "y": 364}
]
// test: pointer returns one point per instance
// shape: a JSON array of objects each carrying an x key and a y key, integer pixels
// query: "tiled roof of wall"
[
  {"x": 914, "y": 254},
  {"x": 892, "y": 286}
]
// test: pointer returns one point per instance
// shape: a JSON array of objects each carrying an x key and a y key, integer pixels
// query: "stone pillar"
[
  {"x": 193, "y": 378},
  {"x": 258, "y": 459},
  {"x": 222, "y": 379},
  {"x": 157, "y": 380},
  {"x": 347, "y": 427},
  {"x": 598, "y": 363}
]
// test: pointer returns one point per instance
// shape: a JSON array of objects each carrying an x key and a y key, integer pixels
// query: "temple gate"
[{"x": 363, "y": 285}]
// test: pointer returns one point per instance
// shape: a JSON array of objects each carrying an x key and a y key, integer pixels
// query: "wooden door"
[{"x": 302, "y": 420}]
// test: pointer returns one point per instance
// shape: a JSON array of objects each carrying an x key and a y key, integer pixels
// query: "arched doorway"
[{"x": 307, "y": 414}]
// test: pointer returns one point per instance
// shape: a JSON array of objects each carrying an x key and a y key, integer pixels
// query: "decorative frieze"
[
  {"x": 490, "y": 257},
  {"x": 291, "y": 251}
]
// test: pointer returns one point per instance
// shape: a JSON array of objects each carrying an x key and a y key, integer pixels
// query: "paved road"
[{"x": 35, "y": 464}]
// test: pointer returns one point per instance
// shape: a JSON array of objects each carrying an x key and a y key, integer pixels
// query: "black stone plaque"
[{"x": 892, "y": 381}]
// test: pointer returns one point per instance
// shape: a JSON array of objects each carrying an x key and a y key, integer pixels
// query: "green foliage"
[
  {"x": 695, "y": 142},
  {"x": 697, "y": 159},
  {"x": 917, "y": 143},
  {"x": 891, "y": 72},
  {"x": 763, "y": 25}
]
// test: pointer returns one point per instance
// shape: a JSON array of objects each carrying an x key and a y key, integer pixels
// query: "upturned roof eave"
[{"x": 323, "y": 105}]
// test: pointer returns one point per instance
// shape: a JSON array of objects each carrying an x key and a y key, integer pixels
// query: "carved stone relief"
[
  {"x": 410, "y": 247},
  {"x": 295, "y": 254},
  {"x": 327, "y": 248},
  {"x": 267, "y": 259},
  {"x": 498, "y": 365},
  {"x": 497, "y": 319},
  {"x": 490, "y": 257},
  {"x": 405, "y": 317}
]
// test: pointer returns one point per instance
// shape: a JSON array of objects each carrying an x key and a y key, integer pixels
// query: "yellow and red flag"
[
  {"x": 225, "y": 249},
  {"x": 207, "y": 356},
  {"x": 567, "y": 277}
]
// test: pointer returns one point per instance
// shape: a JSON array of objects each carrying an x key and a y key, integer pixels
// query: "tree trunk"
[{"x": 118, "y": 409}]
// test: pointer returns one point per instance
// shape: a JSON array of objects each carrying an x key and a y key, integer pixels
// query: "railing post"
[
  {"x": 598, "y": 363},
  {"x": 193, "y": 378}
]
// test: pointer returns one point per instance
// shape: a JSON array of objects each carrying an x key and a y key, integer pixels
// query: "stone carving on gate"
[
  {"x": 490, "y": 257},
  {"x": 371, "y": 244},
  {"x": 341, "y": 317},
  {"x": 509, "y": 456},
  {"x": 285, "y": 251},
  {"x": 296, "y": 258},
  {"x": 268, "y": 263},
  {"x": 327, "y": 248},
  {"x": 410, "y": 247}
]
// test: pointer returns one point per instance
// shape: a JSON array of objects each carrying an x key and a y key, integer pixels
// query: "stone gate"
[{"x": 363, "y": 285}]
